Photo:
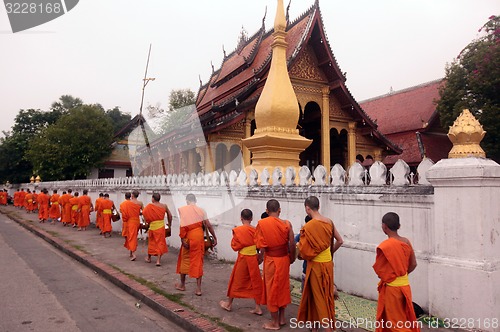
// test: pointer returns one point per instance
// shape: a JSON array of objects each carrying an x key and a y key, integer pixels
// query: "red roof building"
[
  {"x": 225, "y": 107},
  {"x": 409, "y": 119}
]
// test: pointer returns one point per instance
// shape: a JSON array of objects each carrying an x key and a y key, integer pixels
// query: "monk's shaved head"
[
  {"x": 246, "y": 214},
  {"x": 312, "y": 202},
  {"x": 273, "y": 205},
  {"x": 156, "y": 197},
  {"x": 391, "y": 220}
]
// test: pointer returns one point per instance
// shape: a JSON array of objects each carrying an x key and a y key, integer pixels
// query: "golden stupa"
[{"x": 276, "y": 141}]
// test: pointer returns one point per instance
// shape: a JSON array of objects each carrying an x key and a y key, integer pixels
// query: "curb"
[{"x": 176, "y": 313}]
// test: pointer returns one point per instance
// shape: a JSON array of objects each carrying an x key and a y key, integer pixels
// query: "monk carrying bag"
[{"x": 209, "y": 239}]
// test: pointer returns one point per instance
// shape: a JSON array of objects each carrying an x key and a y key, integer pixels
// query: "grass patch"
[{"x": 53, "y": 233}]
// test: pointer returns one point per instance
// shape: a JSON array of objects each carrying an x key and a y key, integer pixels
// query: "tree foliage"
[
  {"x": 473, "y": 82},
  {"x": 77, "y": 142},
  {"x": 118, "y": 118},
  {"x": 180, "y": 108}
]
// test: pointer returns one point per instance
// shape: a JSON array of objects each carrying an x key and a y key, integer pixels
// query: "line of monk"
[{"x": 271, "y": 242}]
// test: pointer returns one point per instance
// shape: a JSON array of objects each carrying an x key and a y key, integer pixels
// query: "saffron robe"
[
  {"x": 153, "y": 215},
  {"x": 3, "y": 198},
  {"x": 43, "y": 206},
  {"x": 55, "y": 208},
  {"x": 394, "y": 302},
  {"x": 66, "y": 208},
  {"x": 98, "y": 213},
  {"x": 317, "y": 301},
  {"x": 16, "y": 198},
  {"x": 245, "y": 280},
  {"x": 28, "y": 202},
  {"x": 105, "y": 206},
  {"x": 130, "y": 215},
  {"x": 190, "y": 261},
  {"x": 84, "y": 207},
  {"x": 22, "y": 196},
  {"x": 34, "y": 203},
  {"x": 271, "y": 235},
  {"x": 75, "y": 215}
]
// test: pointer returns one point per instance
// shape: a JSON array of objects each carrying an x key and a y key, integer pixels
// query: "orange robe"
[
  {"x": 66, "y": 208},
  {"x": 3, "y": 198},
  {"x": 190, "y": 261},
  {"x": 245, "y": 281},
  {"x": 394, "y": 302},
  {"x": 43, "y": 206},
  {"x": 22, "y": 199},
  {"x": 55, "y": 208},
  {"x": 98, "y": 213},
  {"x": 317, "y": 301},
  {"x": 28, "y": 202},
  {"x": 16, "y": 199},
  {"x": 272, "y": 234},
  {"x": 130, "y": 215},
  {"x": 154, "y": 216},
  {"x": 84, "y": 207},
  {"x": 105, "y": 206},
  {"x": 34, "y": 203},
  {"x": 75, "y": 215}
]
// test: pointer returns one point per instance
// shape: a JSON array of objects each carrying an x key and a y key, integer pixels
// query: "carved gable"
[{"x": 306, "y": 67}]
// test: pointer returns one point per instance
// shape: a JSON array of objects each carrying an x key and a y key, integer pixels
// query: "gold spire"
[
  {"x": 466, "y": 134},
  {"x": 276, "y": 141}
]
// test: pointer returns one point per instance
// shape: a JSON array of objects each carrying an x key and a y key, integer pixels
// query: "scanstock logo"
[{"x": 27, "y": 14}]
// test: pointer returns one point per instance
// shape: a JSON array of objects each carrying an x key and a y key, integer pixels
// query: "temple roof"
[
  {"x": 237, "y": 84},
  {"x": 401, "y": 114}
]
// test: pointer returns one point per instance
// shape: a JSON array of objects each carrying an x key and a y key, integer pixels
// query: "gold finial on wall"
[{"x": 466, "y": 134}]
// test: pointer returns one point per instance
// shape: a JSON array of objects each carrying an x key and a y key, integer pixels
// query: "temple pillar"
[
  {"x": 190, "y": 166},
  {"x": 245, "y": 151},
  {"x": 351, "y": 144},
  {"x": 325, "y": 129}
]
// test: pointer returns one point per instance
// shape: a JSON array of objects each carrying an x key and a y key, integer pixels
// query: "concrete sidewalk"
[{"x": 154, "y": 286}]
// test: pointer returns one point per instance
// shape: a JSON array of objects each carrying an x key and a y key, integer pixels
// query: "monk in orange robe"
[
  {"x": 43, "y": 206},
  {"x": 34, "y": 203},
  {"x": 75, "y": 213},
  {"x": 395, "y": 260},
  {"x": 3, "y": 197},
  {"x": 130, "y": 210},
  {"x": 55, "y": 208},
  {"x": 245, "y": 281},
  {"x": 190, "y": 260},
  {"x": 84, "y": 208},
  {"x": 154, "y": 214},
  {"x": 98, "y": 213},
  {"x": 274, "y": 237},
  {"x": 16, "y": 198},
  {"x": 28, "y": 201},
  {"x": 106, "y": 206},
  {"x": 66, "y": 207},
  {"x": 22, "y": 197},
  {"x": 317, "y": 245}
]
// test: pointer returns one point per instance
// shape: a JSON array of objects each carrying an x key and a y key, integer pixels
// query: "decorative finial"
[
  {"x": 279, "y": 20},
  {"x": 288, "y": 12},
  {"x": 466, "y": 134},
  {"x": 199, "y": 77},
  {"x": 213, "y": 69},
  {"x": 224, "y": 51},
  {"x": 264, "y": 18}
]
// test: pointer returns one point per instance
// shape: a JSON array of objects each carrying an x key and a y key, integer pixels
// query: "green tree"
[
  {"x": 65, "y": 103},
  {"x": 28, "y": 124},
  {"x": 118, "y": 118},
  {"x": 77, "y": 142},
  {"x": 180, "y": 107},
  {"x": 473, "y": 82}
]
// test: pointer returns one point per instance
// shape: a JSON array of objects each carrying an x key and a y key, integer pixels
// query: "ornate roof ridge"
[{"x": 414, "y": 87}]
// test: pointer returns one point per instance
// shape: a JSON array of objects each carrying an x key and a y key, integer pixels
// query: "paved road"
[{"x": 45, "y": 290}]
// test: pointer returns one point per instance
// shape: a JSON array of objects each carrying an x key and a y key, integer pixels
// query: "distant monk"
[
  {"x": 317, "y": 245},
  {"x": 131, "y": 212},
  {"x": 274, "y": 237},
  {"x": 245, "y": 281},
  {"x": 22, "y": 196},
  {"x": 3, "y": 197},
  {"x": 84, "y": 207},
  {"x": 75, "y": 212},
  {"x": 66, "y": 208},
  {"x": 154, "y": 214},
  {"x": 28, "y": 201},
  {"x": 55, "y": 208},
  {"x": 16, "y": 199},
  {"x": 34, "y": 203},
  {"x": 190, "y": 260},
  {"x": 43, "y": 206},
  {"x": 98, "y": 212},
  {"x": 106, "y": 206},
  {"x": 395, "y": 260}
]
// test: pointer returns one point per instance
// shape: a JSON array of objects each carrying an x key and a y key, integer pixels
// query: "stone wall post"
[{"x": 464, "y": 263}]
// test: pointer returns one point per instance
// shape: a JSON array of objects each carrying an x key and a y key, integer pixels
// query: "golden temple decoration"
[
  {"x": 466, "y": 134},
  {"x": 38, "y": 179},
  {"x": 276, "y": 142}
]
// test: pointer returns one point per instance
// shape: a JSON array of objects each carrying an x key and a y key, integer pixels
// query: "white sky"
[{"x": 98, "y": 50}]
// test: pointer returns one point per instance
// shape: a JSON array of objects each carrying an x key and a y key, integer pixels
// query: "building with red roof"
[{"x": 409, "y": 119}]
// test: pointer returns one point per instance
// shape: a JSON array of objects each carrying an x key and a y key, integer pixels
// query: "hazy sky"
[{"x": 98, "y": 50}]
